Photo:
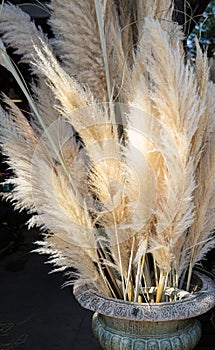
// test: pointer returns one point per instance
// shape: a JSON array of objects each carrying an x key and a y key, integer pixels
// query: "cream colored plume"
[
  {"x": 201, "y": 233},
  {"x": 174, "y": 114},
  {"x": 20, "y": 37},
  {"x": 65, "y": 257},
  {"x": 161, "y": 10},
  {"x": 75, "y": 38},
  {"x": 19, "y": 142},
  {"x": 124, "y": 193}
]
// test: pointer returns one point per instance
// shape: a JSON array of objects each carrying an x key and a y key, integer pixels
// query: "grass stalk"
[
  {"x": 111, "y": 275},
  {"x": 129, "y": 267},
  {"x": 11, "y": 68},
  {"x": 20, "y": 81},
  {"x": 190, "y": 270},
  {"x": 155, "y": 272},
  {"x": 119, "y": 254},
  {"x": 2, "y": 4},
  {"x": 107, "y": 283},
  {"x": 103, "y": 45},
  {"x": 161, "y": 285},
  {"x": 138, "y": 277},
  {"x": 38, "y": 5},
  {"x": 130, "y": 293},
  {"x": 146, "y": 289}
]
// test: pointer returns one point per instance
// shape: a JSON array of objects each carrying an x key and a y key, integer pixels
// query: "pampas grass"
[
  {"x": 75, "y": 38},
  {"x": 123, "y": 193},
  {"x": 22, "y": 38}
]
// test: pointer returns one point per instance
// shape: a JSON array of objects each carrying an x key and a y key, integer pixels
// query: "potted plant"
[{"x": 116, "y": 164}]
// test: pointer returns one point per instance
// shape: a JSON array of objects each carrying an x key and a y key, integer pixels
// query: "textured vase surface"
[
  {"x": 122, "y": 325},
  {"x": 117, "y": 334}
]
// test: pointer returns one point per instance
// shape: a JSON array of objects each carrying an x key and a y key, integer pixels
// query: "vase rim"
[{"x": 192, "y": 306}]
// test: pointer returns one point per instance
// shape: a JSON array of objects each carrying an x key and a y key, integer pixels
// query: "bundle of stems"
[{"x": 116, "y": 159}]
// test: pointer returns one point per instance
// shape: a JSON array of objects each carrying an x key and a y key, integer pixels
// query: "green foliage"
[{"x": 205, "y": 31}]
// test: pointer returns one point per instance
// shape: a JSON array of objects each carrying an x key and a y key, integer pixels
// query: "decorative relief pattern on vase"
[
  {"x": 110, "y": 339},
  {"x": 196, "y": 305},
  {"x": 120, "y": 325}
]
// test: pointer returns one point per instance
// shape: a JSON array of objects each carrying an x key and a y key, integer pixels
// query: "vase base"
[{"x": 145, "y": 335}]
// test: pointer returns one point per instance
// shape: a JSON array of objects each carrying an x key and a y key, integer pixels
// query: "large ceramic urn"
[{"x": 123, "y": 325}]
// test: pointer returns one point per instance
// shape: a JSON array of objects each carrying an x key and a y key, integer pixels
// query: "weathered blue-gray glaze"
[
  {"x": 120, "y": 334},
  {"x": 197, "y": 304},
  {"x": 121, "y": 325}
]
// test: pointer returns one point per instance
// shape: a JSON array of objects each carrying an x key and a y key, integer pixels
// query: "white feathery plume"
[
  {"x": 161, "y": 10},
  {"x": 9, "y": 65},
  {"x": 125, "y": 12},
  {"x": 20, "y": 37},
  {"x": 202, "y": 75},
  {"x": 19, "y": 141},
  {"x": 76, "y": 38},
  {"x": 70, "y": 95},
  {"x": 117, "y": 55},
  {"x": 177, "y": 109},
  {"x": 201, "y": 233},
  {"x": 93, "y": 124},
  {"x": 65, "y": 257},
  {"x": 112, "y": 199},
  {"x": 66, "y": 89},
  {"x": 45, "y": 102},
  {"x": 104, "y": 68},
  {"x": 98, "y": 132},
  {"x": 23, "y": 38},
  {"x": 43, "y": 186}
]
